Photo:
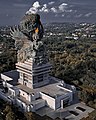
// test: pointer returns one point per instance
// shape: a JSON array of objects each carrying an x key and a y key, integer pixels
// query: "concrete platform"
[{"x": 65, "y": 113}]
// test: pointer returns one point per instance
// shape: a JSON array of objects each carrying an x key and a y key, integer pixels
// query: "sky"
[{"x": 12, "y": 11}]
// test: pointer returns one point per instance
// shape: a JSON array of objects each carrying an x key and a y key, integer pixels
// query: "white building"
[{"x": 31, "y": 88}]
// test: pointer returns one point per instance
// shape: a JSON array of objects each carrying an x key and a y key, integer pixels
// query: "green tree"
[
  {"x": 7, "y": 109},
  {"x": 1, "y": 117},
  {"x": 30, "y": 116},
  {"x": 10, "y": 116}
]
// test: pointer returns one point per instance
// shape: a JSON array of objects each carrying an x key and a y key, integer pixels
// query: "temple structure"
[
  {"x": 33, "y": 76},
  {"x": 33, "y": 87},
  {"x": 30, "y": 86}
]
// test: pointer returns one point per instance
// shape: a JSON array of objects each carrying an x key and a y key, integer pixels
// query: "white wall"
[
  {"x": 29, "y": 97},
  {"x": 20, "y": 81},
  {"x": 30, "y": 108},
  {"x": 5, "y": 78},
  {"x": 50, "y": 101},
  {"x": 24, "y": 94},
  {"x": 29, "y": 84},
  {"x": 5, "y": 84},
  {"x": 21, "y": 104},
  {"x": 12, "y": 91}
]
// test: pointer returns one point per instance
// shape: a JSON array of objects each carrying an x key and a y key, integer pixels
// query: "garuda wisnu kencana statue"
[{"x": 28, "y": 37}]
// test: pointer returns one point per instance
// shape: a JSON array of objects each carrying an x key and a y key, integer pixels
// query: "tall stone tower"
[{"x": 33, "y": 65}]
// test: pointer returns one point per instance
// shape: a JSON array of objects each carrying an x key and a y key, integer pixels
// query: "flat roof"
[
  {"x": 52, "y": 90},
  {"x": 14, "y": 75},
  {"x": 37, "y": 101},
  {"x": 26, "y": 89}
]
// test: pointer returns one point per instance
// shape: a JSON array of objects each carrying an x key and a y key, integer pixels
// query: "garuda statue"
[{"x": 28, "y": 37}]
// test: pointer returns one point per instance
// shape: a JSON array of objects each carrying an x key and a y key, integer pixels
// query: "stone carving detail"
[{"x": 28, "y": 37}]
